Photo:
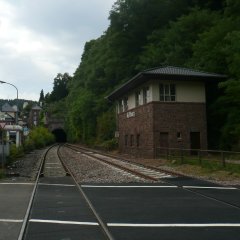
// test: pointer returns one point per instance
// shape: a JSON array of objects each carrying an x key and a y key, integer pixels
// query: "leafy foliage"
[
  {"x": 60, "y": 90},
  {"x": 174, "y": 45},
  {"x": 38, "y": 137}
]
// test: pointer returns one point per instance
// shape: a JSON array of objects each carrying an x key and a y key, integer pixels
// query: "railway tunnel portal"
[
  {"x": 56, "y": 127},
  {"x": 60, "y": 135}
]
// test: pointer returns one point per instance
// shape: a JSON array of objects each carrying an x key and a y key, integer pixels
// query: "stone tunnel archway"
[{"x": 60, "y": 135}]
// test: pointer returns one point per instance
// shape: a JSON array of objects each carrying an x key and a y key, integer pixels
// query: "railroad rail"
[
  {"x": 152, "y": 173},
  {"x": 54, "y": 165},
  {"x": 139, "y": 170},
  {"x": 63, "y": 170}
]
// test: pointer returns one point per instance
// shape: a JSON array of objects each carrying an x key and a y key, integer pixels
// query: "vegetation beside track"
[
  {"x": 208, "y": 164},
  {"x": 208, "y": 173},
  {"x": 38, "y": 137}
]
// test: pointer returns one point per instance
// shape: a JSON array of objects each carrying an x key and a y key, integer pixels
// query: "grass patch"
[
  {"x": 208, "y": 173},
  {"x": 208, "y": 164}
]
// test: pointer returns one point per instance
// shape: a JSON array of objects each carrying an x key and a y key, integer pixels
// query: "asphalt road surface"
[{"x": 182, "y": 208}]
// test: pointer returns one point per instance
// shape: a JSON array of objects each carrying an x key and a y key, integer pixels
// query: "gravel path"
[
  {"x": 25, "y": 168},
  {"x": 88, "y": 170}
]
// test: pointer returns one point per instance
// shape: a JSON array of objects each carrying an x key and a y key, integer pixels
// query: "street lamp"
[{"x": 17, "y": 98}]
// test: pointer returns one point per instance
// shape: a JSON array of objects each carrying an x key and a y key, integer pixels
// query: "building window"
[
  {"x": 131, "y": 140},
  {"x": 167, "y": 92},
  {"x": 138, "y": 140},
  {"x": 146, "y": 95},
  {"x": 179, "y": 136},
  {"x": 126, "y": 140},
  {"x": 120, "y": 106},
  {"x": 137, "y": 98},
  {"x": 125, "y": 103}
]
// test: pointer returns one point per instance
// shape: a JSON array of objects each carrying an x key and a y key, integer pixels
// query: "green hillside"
[{"x": 202, "y": 35}]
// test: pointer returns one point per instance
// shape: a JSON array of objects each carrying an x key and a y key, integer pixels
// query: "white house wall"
[
  {"x": 186, "y": 91},
  {"x": 190, "y": 92}
]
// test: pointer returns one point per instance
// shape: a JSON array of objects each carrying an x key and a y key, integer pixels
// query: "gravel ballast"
[{"x": 89, "y": 170}]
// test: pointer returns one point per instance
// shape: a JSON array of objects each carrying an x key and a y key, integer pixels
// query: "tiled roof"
[
  {"x": 164, "y": 73},
  {"x": 169, "y": 70}
]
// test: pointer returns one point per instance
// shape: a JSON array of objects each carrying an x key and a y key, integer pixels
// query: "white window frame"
[
  {"x": 146, "y": 94},
  {"x": 167, "y": 92},
  {"x": 125, "y": 103},
  {"x": 120, "y": 106},
  {"x": 138, "y": 98}
]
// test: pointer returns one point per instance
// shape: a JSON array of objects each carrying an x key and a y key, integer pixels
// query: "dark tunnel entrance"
[{"x": 60, "y": 135}]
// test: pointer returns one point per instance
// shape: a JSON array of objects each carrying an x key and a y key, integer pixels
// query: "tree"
[
  {"x": 203, "y": 35},
  {"x": 41, "y": 98},
  {"x": 174, "y": 45},
  {"x": 60, "y": 87},
  {"x": 82, "y": 117}
]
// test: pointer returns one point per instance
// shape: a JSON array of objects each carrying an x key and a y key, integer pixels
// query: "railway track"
[
  {"x": 55, "y": 168},
  {"x": 138, "y": 170},
  {"x": 55, "y": 184},
  {"x": 156, "y": 175}
]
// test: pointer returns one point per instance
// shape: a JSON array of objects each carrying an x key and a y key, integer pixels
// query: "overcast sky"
[{"x": 40, "y": 38}]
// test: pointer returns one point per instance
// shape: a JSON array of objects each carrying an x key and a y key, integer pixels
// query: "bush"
[
  {"x": 38, "y": 137},
  {"x": 28, "y": 145},
  {"x": 15, "y": 152},
  {"x": 110, "y": 144}
]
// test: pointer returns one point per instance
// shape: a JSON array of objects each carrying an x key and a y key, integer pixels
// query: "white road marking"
[
  {"x": 53, "y": 167},
  {"x": 63, "y": 222},
  {"x": 58, "y": 185},
  {"x": 126, "y": 186},
  {"x": 174, "y": 225},
  {"x": 16, "y": 183},
  {"x": 12, "y": 220},
  {"x": 203, "y": 187},
  {"x": 53, "y": 163}
]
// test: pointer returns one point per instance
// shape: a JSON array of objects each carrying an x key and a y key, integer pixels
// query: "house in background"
[
  {"x": 7, "y": 119},
  {"x": 163, "y": 107},
  {"x": 34, "y": 116},
  {"x": 8, "y": 124},
  {"x": 6, "y": 108}
]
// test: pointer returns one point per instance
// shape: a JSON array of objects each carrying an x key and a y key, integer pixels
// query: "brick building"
[
  {"x": 34, "y": 116},
  {"x": 163, "y": 108}
]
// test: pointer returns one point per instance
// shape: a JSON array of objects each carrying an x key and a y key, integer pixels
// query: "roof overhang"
[{"x": 143, "y": 77}]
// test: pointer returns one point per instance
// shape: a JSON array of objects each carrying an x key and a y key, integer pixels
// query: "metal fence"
[{"x": 201, "y": 157}]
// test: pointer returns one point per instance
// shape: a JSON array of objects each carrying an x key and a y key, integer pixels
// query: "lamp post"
[{"x": 17, "y": 98}]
